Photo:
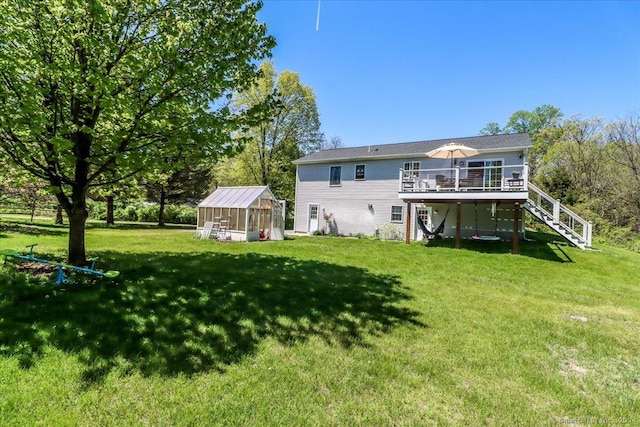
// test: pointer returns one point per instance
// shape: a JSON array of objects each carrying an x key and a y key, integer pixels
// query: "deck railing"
[
  {"x": 569, "y": 221},
  {"x": 484, "y": 178}
]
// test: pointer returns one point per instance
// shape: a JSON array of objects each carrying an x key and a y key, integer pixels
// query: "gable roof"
[
  {"x": 236, "y": 197},
  {"x": 486, "y": 143}
]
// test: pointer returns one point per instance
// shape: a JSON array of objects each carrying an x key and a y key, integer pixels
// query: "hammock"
[{"x": 439, "y": 229}]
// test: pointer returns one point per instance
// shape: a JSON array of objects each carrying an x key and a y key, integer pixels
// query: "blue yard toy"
[{"x": 61, "y": 278}]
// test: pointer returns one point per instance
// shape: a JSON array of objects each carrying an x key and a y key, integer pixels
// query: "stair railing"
[{"x": 568, "y": 220}]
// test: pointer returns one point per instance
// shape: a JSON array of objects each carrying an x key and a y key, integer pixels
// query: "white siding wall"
[{"x": 349, "y": 202}]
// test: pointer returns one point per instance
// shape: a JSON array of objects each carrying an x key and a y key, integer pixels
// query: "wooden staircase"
[{"x": 559, "y": 218}]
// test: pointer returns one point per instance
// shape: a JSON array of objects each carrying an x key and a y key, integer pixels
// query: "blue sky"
[{"x": 399, "y": 71}]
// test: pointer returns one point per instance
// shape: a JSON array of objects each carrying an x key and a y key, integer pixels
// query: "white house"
[{"x": 360, "y": 189}]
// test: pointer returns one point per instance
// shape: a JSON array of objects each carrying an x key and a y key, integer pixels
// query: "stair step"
[{"x": 563, "y": 230}]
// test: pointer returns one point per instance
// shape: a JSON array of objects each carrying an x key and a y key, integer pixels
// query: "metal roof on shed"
[{"x": 236, "y": 197}]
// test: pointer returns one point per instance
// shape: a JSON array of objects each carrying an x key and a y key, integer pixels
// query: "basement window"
[{"x": 396, "y": 213}]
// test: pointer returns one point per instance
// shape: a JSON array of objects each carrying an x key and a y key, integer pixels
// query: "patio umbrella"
[{"x": 452, "y": 150}]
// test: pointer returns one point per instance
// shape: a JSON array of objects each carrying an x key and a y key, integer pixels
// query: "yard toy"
[
  {"x": 61, "y": 266},
  {"x": 494, "y": 213}
]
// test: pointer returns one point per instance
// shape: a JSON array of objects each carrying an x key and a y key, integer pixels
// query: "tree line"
[{"x": 590, "y": 164}]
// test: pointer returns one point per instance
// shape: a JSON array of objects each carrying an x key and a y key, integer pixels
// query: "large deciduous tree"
[
  {"x": 94, "y": 91},
  {"x": 492, "y": 128},
  {"x": 624, "y": 136},
  {"x": 289, "y": 129},
  {"x": 542, "y": 124},
  {"x": 188, "y": 181}
]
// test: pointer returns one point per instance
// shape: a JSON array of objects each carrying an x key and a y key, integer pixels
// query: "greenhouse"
[{"x": 241, "y": 214}]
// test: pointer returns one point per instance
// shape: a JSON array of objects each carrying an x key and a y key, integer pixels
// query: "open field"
[{"x": 319, "y": 331}]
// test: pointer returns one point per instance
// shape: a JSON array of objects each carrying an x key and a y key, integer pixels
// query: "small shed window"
[
  {"x": 360, "y": 172},
  {"x": 336, "y": 175},
  {"x": 396, "y": 213}
]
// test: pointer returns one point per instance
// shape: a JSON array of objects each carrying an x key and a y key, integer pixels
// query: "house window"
[
  {"x": 359, "y": 172},
  {"x": 486, "y": 173},
  {"x": 413, "y": 167},
  {"x": 336, "y": 175},
  {"x": 396, "y": 213}
]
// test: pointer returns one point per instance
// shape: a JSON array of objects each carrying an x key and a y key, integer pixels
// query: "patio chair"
[
  {"x": 206, "y": 231},
  {"x": 408, "y": 183},
  {"x": 443, "y": 182},
  {"x": 221, "y": 232}
]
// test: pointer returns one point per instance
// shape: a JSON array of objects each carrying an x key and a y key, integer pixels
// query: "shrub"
[
  {"x": 180, "y": 214},
  {"x": 127, "y": 213},
  {"x": 97, "y": 210},
  {"x": 390, "y": 232},
  {"x": 148, "y": 213},
  {"x": 136, "y": 211}
]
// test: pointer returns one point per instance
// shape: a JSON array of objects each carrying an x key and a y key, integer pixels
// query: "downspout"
[{"x": 295, "y": 208}]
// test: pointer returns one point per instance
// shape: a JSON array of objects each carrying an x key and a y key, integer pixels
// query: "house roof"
[
  {"x": 488, "y": 143},
  {"x": 236, "y": 197}
]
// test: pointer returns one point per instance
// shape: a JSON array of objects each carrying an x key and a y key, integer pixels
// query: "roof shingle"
[{"x": 511, "y": 141}]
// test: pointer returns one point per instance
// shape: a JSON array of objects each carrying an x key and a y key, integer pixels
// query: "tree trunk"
[
  {"x": 59, "y": 217},
  {"x": 163, "y": 196},
  {"x": 77, "y": 213},
  {"x": 77, "y": 219},
  {"x": 110, "y": 220}
]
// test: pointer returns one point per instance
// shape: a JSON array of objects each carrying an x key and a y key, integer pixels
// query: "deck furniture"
[
  {"x": 444, "y": 182},
  {"x": 206, "y": 231}
]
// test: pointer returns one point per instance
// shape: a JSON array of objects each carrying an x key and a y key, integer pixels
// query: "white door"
[
  {"x": 313, "y": 218},
  {"x": 424, "y": 214}
]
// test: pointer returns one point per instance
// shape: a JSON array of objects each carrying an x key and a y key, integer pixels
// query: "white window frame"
[
  {"x": 411, "y": 167},
  {"x": 488, "y": 169},
  {"x": 364, "y": 172},
  {"x": 330, "y": 176},
  {"x": 396, "y": 213}
]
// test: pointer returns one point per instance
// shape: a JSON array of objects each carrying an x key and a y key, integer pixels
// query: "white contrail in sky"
[{"x": 318, "y": 18}]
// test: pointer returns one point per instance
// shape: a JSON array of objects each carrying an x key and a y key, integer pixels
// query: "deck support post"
[
  {"x": 407, "y": 233},
  {"x": 516, "y": 228},
  {"x": 458, "y": 215}
]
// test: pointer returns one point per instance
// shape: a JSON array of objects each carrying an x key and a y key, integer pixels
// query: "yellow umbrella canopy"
[{"x": 452, "y": 150}]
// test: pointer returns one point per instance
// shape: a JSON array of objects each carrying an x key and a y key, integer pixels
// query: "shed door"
[{"x": 313, "y": 217}]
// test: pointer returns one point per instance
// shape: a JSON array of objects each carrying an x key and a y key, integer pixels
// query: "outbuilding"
[{"x": 241, "y": 214}]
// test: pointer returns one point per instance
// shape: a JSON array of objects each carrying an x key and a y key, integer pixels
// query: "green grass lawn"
[{"x": 319, "y": 331}]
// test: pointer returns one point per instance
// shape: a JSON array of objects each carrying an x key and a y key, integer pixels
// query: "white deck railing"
[
  {"x": 485, "y": 178},
  {"x": 561, "y": 215}
]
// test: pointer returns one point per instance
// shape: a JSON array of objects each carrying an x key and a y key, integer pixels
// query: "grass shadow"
[
  {"x": 34, "y": 229},
  {"x": 176, "y": 314},
  {"x": 139, "y": 226},
  {"x": 539, "y": 245},
  {"x": 48, "y": 228}
]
